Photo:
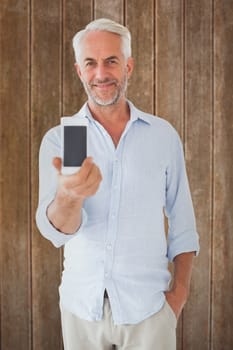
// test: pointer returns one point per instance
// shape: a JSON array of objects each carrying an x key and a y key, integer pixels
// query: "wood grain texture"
[
  {"x": 46, "y": 99},
  {"x": 112, "y": 9},
  {"x": 170, "y": 74},
  {"x": 222, "y": 302},
  {"x": 198, "y": 151},
  {"x": 169, "y": 62},
  {"x": 14, "y": 177},
  {"x": 141, "y": 25}
]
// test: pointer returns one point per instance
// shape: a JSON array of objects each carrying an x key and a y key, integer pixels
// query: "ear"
[
  {"x": 78, "y": 70},
  {"x": 130, "y": 66}
]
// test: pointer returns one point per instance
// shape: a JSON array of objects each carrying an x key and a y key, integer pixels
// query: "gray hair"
[{"x": 103, "y": 24}]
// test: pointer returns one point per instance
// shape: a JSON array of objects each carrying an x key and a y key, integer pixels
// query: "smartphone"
[{"x": 74, "y": 143}]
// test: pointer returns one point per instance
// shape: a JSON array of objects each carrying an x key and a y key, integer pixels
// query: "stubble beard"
[{"x": 106, "y": 101}]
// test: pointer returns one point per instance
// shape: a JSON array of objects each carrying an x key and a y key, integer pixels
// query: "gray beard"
[{"x": 121, "y": 89}]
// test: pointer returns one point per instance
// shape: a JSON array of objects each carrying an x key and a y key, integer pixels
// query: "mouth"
[{"x": 104, "y": 85}]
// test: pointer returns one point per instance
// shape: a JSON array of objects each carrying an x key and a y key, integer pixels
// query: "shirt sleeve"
[
  {"x": 50, "y": 148},
  {"x": 182, "y": 234}
]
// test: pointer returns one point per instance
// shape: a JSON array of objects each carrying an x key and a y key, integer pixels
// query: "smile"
[{"x": 103, "y": 85}]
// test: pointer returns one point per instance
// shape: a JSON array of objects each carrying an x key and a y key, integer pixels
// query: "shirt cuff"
[
  {"x": 49, "y": 231},
  {"x": 185, "y": 242}
]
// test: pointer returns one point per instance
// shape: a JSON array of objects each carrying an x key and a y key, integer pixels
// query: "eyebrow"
[
  {"x": 89, "y": 59},
  {"x": 112, "y": 58},
  {"x": 105, "y": 59}
]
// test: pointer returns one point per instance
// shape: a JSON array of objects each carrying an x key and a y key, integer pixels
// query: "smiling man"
[
  {"x": 104, "y": 78},
  {"x": 116, "y": 290}
]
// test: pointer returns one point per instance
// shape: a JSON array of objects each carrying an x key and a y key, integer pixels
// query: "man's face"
[{"x": 103, "y": 69}]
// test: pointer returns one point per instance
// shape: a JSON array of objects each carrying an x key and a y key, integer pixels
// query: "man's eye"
[{"x": 89, "y": 64}]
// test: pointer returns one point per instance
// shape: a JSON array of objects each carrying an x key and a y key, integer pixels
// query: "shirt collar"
[{"x": 135, "y": 113}]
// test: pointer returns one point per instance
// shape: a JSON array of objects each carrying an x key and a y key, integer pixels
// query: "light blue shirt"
[{"x": 121, "y": 245}]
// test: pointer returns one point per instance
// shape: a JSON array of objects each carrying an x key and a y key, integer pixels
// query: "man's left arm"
[{"x": 183, "y": 239}]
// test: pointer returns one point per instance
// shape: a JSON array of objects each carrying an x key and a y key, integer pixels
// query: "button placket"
[{"x": 113, "y": 212}]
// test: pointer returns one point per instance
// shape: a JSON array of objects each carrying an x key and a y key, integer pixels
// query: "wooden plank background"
[{"x": 184, "y": 73}]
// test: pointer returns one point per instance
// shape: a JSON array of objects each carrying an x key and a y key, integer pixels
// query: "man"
[{"x": 110, "y": 214}]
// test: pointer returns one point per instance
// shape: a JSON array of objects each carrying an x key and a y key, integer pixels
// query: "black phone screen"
[{"x": 75, "y": 145}]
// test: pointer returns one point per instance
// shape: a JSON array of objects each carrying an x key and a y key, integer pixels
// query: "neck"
[
  {"x": 113, "y": 118},
  {"x": 114, "y": 114}
]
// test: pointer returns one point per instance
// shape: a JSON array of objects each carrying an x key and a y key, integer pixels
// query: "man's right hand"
[
  {"x": 64, "y": 212},
  {"x": 80, "y": 185}
]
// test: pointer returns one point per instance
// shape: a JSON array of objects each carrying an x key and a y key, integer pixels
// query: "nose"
[{"x": 100, "y": 72}]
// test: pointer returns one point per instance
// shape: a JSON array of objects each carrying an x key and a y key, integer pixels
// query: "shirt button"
[{"x": 109, "y": 246}]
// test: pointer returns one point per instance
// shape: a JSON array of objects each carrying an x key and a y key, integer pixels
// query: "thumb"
[{"x": 57, "y": 163}]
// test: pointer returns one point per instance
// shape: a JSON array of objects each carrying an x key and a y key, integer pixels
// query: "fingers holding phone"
[
  {"x": 84, "y": 183},
  {"x": 90, "y": 177}
]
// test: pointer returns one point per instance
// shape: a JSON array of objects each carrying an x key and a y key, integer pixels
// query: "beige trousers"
[{"x": 158, "y": 332}]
